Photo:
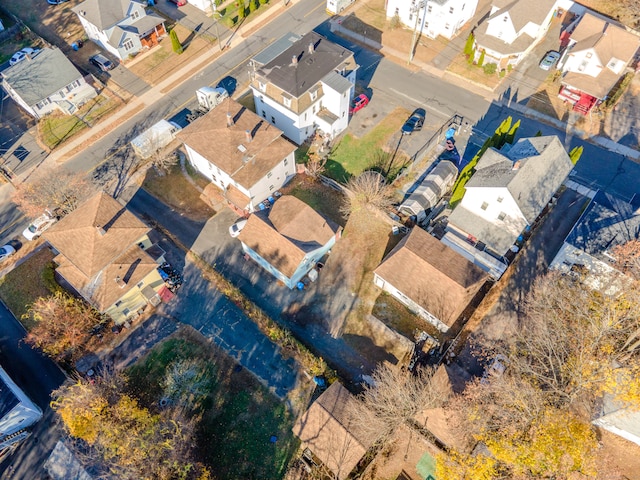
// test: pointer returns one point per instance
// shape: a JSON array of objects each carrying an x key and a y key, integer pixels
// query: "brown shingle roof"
[
  {"x": 432, "y": 275},
  {"x": 324, "y": 429},
  {"x": 291, "y": 229},
  {"x": 78, "y": 236},
  {"x": 227, "y": 147}
]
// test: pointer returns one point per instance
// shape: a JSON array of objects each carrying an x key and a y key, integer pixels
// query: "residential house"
[
  {"x": 289, "y": 239},
  {"x": 46, "y": 82},
  {"x": 596, "y": 58},
  {"x": 506, "y": 194},
  {"x": 433, "y": 17},
  {"x": 328, "y": 430},
  {"x": 105, "y": 255},
  {"x": 122, "y": 27},
  {"x": 512, "y": 30},
  {"x": 17, "y": 412},
  {"x": 242, "y": 154},
  {"x": 608, "y": 222},
  {"x": 305, "y": 88},
  {"x": 429, "y": 278}
]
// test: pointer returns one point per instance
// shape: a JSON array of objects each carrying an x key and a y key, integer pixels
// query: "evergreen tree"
[
  {"x": 175, "y": 42},
  {"x": 241, "y": 10},
  {"x": 481, "y": 59},
  {"x": 468, "y": 47},
  {"x": 575, "y": 154}
]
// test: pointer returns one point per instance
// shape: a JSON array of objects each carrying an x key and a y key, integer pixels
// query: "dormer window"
[
  {"x": 262, "y": 86},
  {"x": 505, "y": 18},
  {"x": 135, "y": 15},
  {"x": 314, "y": 95}
]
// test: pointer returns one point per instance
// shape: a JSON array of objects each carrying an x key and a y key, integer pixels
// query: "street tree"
[
  {"x": 62, "y": 325},
  {"x": 367, "y": 191},
  {"x": 58, "y": 190}
]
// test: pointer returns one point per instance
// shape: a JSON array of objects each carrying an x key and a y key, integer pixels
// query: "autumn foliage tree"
[
  {"x": 56, "y": 190},
  {"x": 63, "y": 325},
  {"x": 367, "y": 191}
]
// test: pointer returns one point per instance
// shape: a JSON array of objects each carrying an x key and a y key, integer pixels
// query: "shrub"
[
  {"x": 253, "y": 5},
  {"x": 242, "y": 12},
  {"x": 490, "y": 68},
  {"x": 502, "y": 73},
  {"x": 175, "y": 42}
]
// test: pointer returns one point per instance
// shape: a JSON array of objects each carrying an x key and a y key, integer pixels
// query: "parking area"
[{"x": 193, "y": 19}]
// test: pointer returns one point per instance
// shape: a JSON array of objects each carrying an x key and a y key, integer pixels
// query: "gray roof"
[
  {"x": 275, "y": 49},
  {"x": 607, "y": 222},
  {"x": 44, "y": 74},
  {"x": 144, "y": 24},
  {"x": 309, "y": 69},
  {"x": 523, "y": 11},
  {"x": 496, "y": 237},
  {"x": 337, "y": 82},
  {"x": 532, "y": 170},
  {"x": 104, "y": 13}
]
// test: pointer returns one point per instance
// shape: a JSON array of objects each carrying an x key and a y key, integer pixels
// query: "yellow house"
[{"x": 105, "y": 255}]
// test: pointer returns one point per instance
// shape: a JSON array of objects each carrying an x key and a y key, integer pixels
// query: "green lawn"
[
  {"x": 318, "y": 196},
  {"x": 238, "y": 418},
  {"x": 351, "y": 156},
  {"x": 27, "y": 282}
]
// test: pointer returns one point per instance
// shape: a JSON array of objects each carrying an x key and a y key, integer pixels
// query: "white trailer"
[
  {"x": 208, "y": 99},
  {"x": 335, "y": 7},
  {"x": 158, "y": 136}
]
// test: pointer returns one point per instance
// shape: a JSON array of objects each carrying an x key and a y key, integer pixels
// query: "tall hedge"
[{"x": 175, "y": 42}]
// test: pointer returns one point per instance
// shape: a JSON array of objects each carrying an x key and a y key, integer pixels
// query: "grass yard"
[
  {"x": 238, "y": 417},
  {"x": 351, "y": 156},
  {"x": 175, "y": 190},
  {"x": 27, "y": 282},
  {"x": 57, "y": 128},
  {"x": 318, "y": 196}
]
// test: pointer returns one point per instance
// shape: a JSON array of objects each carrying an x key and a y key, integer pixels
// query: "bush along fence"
[{"x": 505, "y": 133}]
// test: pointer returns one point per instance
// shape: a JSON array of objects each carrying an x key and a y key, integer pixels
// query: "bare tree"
[
  {"x": 58, "y": 190},
  {"x": 315, "y": 165},
  {"x": 368, "y": 191}
]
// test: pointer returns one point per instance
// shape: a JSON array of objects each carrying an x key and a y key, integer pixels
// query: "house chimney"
[
  {"x": 121, "y": 283},
  {"x": 294, "y": 60},
  {"x": 516, "y": 165},
  {"x": 248, "y": 136},
  {"x": 229, "y": 120},
  {"x": 312, "y": 47},
  {"x": 101, "y": 230}
]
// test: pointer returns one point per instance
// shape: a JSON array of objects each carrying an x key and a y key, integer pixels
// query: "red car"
[
  {"x": 179, "y": 3},
  {"x": 358, "y": 103}
]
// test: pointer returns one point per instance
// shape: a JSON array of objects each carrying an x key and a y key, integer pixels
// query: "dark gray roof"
[
  {"x": 104, "y": 13},
  {"x": 275, "y": 49},
  {"x": 532, "y": 170},
  {"x": 309, "y": 69},
  {"x": 44, "y": 74},
  {"x": 496, "y": 237},
  {"x": 337, "y": 82},
  {"x": 144, "y": 24},
  {"x": 523, "y": 11},
  {"x": 607, "y": 222},
  {"x": 8, "y": 399}
]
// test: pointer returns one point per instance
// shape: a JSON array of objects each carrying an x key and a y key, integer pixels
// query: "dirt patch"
[
  {"x": 460, "y": 66},
  {"x": 390, "y": 311}
]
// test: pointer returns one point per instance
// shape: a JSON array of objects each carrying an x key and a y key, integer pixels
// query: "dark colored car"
[
  {"x": 358, "y": 103},
  {"x": 102, "y": 62},
  {"x": 179, "y": 3},
  {"x": 414, "y": 122},
  {"x": 56, "y": 2}
]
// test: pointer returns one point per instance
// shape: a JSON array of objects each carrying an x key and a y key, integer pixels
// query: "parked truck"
[
  {"x": 158, "y": 136},
  {"x": 335, "y": 7},
  {"x": 208, "y": 98}
]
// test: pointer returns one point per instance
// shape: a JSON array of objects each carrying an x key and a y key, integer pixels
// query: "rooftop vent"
[
  {"x": 312, "y": 47},
  {"x": 229, "y": 120},
  {"x": 101, "y": 230},
  {"x": 247, "y": 134},
  {"x": 294, "y": 60},
  {"x": 516, "y": 165},
  {"x": 121, "y": 283}
]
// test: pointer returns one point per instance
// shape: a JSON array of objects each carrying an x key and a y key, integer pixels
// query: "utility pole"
[
  {"x": 214, "y": 8},
  {"x": 416, "y": 10}
]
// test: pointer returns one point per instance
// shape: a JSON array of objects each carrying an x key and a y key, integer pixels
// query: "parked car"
[
  {"x": 6, "y": 251},
  {"x": 358, "y": 103},
  {"x": 39, "y": 225},
  {"x": 56, "y": 2},
  {"x": 414, "y": 122},
  {"x": 102, "y": 62},
  {"x": 236, "y": 228},
  {"x": 549, "y": 60},
  {"x": 21, "y": 55},
  {"x": 179, "y": 3}
]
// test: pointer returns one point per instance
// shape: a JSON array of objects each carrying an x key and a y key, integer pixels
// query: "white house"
[
  {"x": 596, "y": 58},
  {"x": 289, "y": 239},
  {"x": 242, "y": 154},
  {"x": 122, "y": 27},
  {"x": 587, "y": 251},
  {"x": 429, "y": 278},
  {"x": 505, "y": 195},
  {"x": 306, "y": 85},
  {"x": 46, "y": 82},
  {"x": 513, "y": 29},
  {"x": 17, "y": 412},
  {"x": 433, "y": 17}
]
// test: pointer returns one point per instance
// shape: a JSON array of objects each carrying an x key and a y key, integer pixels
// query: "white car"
[
  {"x": 21, "y": 55},
  {"x": 6, "y": 251},
  {"x": 39, "y": 225},
  {"x": 236, "y": 228}
]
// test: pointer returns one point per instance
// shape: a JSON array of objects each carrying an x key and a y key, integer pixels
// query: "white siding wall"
[
  {"x": 583, "y": 61},
  {"x": 502, "y": 27},
  {"x": 445, "y": 20},
  {"x": 280, "y": 175},
  {"x": 282, "y": 117},
  {"x": 474, "y": 198}
]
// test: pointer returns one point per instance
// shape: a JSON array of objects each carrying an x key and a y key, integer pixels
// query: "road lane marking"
[
  {"x": 320, "y": 5},
  {"x": 418, "y": 102}
]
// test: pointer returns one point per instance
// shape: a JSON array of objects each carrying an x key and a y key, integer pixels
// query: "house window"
[
  {"x": 270, "y": 187},
  {"x": 446, "y": 26},
  {"x": 128, "y": 44},
  {"x": 410, "y": 16},
  {"x": 500, "y": 199},
  {"x": 429, "y": 8},
  {"x": 126, "y": 312},
  {"x": 269, "y": 174},
  {"x": 264, "y": 114},
  {"x": 140, "y": 284},
  {"x": 213, "y": 178},
  {"x": 261, "y": 98},
  {"x": 450, "y": 9},
  {"x": 118, "y": 303},
  {"x": 273, "y": 120},
  {"x": 314, "y": 109},
  {"x": 305, "y": 116},
  {"x": 286, "y": 101},
  {"x": 505, "y": 18},
  {"x": 262, "y": 86},
  {"x": 314, "y": 95},
  {"x": 397, "y": 14},
  {"x": 484, "y": 205},
  {"x": 502, "y": 216},
  {"x": 135, "y": 15},
  {"x": 286, "y": 162}
]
